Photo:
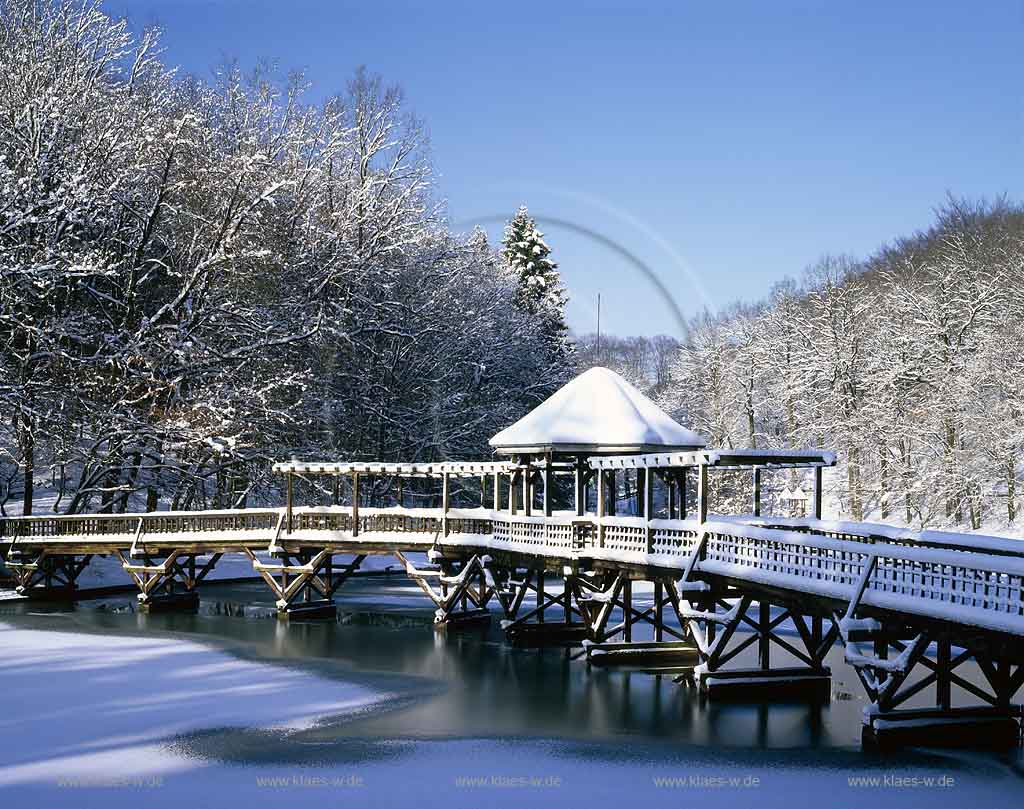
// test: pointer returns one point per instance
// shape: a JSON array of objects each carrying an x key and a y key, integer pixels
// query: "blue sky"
[{"x": 723, "y": 146}]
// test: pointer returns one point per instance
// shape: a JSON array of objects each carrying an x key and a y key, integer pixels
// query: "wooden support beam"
[
  {"x": 445, "y": 498},
  {"x": 540, "y": 595},
  {"x": 602, "y": 496},
  {"x": 612, "y": 503},
  {"x": 764, "y": 635},
  {"x": 627, "y": 610},
  {"x": 549, "y": 479},
  {"x": 528, "y": 491},
  {"x": 659, "y": 615},
  {"x": 355, "y": 504},
  {"x": 682, "y": 493},
  {"x": 757, "y": 491},
  {"x": 580, "y": 488},
  {"x": 288, "y": 502},
  {"x": 702, "y": 494},
  {"x": 817, "y": 493},
  {"x": 497, "y": 491},
  {"x": 648, "y": 505}
]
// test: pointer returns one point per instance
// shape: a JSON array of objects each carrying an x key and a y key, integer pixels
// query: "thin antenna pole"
[{"x": 598, "y": 326}]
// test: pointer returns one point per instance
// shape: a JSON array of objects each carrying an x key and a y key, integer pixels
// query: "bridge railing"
[
  {"x": 100, "y": 526},
  {"x": 976, "y": 588}
]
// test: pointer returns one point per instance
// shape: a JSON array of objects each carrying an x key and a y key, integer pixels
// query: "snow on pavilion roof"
[{"x": 598, "y": 411}]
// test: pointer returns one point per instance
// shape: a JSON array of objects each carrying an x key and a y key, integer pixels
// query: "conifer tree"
[{"x": 539, "y": 288}]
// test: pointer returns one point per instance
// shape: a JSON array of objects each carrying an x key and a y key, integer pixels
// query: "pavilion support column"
[
  {"x": 513, "y": 489},
  {"x": 528, "y": 491},
  {"x": 757, "y": 491},
  {"x": 497, "y": 491},
  {"x": 817, "y": 493},
  {"x": 682, "y": 493},
  {"x": 288, "y": 502},
  {"x": 580, "y": 488},
  {"x": 445, "y": 497},
  {"x": 702, "y": 494},
  {"x": 612, "y": 493},
  {"x": 355, "y": 504},
  {"x": 672, "y": 499},
  {"x": 549, "y": 479},
  {"x": 647, "y": 476},
  {"x": 602, "y": 493}
]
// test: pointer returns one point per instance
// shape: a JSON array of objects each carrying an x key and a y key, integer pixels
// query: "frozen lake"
[{"x": 104, "y": 707}]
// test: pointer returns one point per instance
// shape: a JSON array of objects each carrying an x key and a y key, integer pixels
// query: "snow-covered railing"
[
  {"x": 975, "y": 588},
  {"x": 534, "y": 534},
  {"x": 880, "y": 532},
  {"x": 103, "y": 526}
]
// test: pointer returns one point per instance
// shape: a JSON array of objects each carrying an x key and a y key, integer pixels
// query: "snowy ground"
[{"x": 123, "y": 698}]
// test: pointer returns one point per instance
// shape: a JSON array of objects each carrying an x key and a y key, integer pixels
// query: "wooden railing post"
[
  {"x": 355, "y": 504},
  {"x": 548, "y": 477},
  {"x": 444, "y": 503},
  {"x": 288, "y": 502},
  {"x": 757, "y": 491},
  {"x": 702, "y": 493},
  {"x": 649, "y": 506},
  {"x": 817, "y": 492}
]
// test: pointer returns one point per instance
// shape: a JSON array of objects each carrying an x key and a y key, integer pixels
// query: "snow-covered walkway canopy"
[
  {"x": 720, "y": 459},
  {"x": 596, "y": 413},
  {"x": 411, "y": 470}
]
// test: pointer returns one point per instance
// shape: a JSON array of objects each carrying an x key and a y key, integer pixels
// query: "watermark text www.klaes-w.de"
[
  {"x": 705, "y": 781},
  {"x": 508, "y": 781},
  {"x": 110, "y": 782},
  {"x": 304, "y": 780},
  {"x": 901, "y": 781}
]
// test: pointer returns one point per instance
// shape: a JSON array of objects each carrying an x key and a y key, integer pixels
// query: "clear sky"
[{"x": 723, "y": 146}]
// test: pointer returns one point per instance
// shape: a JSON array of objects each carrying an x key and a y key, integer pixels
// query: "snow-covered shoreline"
[{"x": 124, "y": 697}]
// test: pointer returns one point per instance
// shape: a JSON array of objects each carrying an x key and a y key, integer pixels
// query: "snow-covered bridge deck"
[{"x": 962, "y": 578}]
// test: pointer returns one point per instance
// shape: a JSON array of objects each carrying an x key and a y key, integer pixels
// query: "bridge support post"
[
  {"x": 981, "y": 715},
  {"x": 675, "y": 656},
  {"x": 804, "y": 676},
  {"x": 530, "y": 629},
  {"x": 169, "y": 584},
  {"x": 461, "y": 591},
  {"x": 306, "y": 582},
  {"x": 47, "y": 577}
]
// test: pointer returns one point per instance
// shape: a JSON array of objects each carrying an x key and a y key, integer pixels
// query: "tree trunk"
[
  {"x": 28, "y": 455},
  {"x": 1011, "y": 490},
  {"x": 883, "y": 464}
]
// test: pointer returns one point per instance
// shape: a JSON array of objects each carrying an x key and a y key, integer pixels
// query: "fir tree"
[
  {"x": 539, "y": 289},
  {"x": 528, "y": 255}
]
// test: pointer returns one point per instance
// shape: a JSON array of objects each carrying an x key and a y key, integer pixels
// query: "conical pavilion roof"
[{"x": 598, "y": 411}]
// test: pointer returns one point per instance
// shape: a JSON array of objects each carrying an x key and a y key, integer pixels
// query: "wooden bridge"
[{"x": 909, "y": 609}]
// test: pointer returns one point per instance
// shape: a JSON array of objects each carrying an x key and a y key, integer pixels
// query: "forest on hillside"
[
  {"x": 200, "y": 277},
  {"x": 909, "y": 365}
]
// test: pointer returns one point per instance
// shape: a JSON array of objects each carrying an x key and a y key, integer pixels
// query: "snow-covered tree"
[{"x": 539, "y": 288}]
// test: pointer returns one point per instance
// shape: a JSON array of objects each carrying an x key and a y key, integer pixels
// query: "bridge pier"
[
  {"x": 985, "y": 716},
  {"x": 532, "y": 630},
  {"x": 306, "y": 581},
  {"x": 168, "y": 584},
  {"x": 716, "y": 614},
  {"x": 45, "y": 576}
]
